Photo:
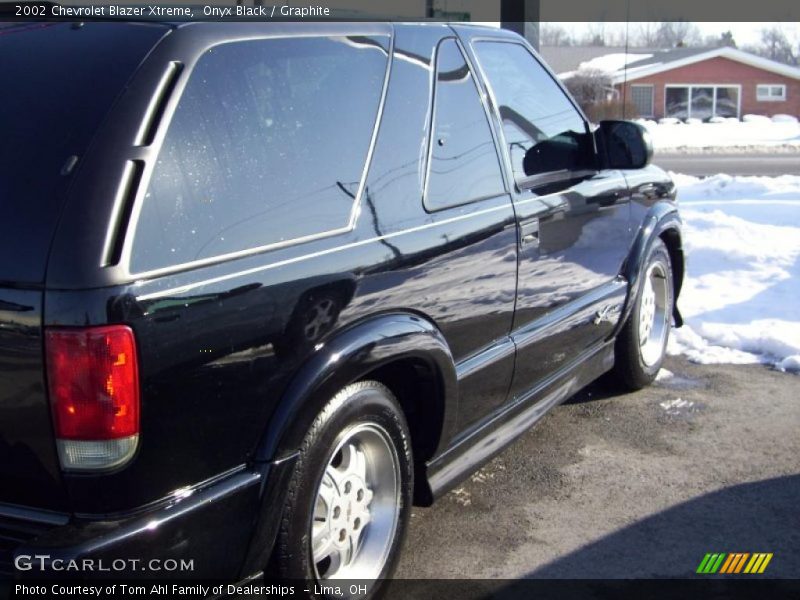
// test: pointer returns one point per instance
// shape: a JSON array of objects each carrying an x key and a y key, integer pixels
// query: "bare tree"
[
  {"x": 776, "y": 46},
  {"x": 595, "y": 35},
  {"x": 553, "y": 35},
  {"x": 593, "y": 91},
  {"x": 645, "y": 35},
  {"x": 590, "y": 86},
  {"x": 666, "y": 34},
  {"x": 677, "y": 34}
]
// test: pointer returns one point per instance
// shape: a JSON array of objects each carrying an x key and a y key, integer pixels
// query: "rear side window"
[
  {"x": 463, "y": 164},
  {"x": 543, "y": 131},
  {"x": 268, "y": 145}
]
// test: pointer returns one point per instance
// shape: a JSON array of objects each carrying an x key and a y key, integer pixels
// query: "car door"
[
  {"x": 437, "y": 198},
  {"x": 573, "y": 218}
]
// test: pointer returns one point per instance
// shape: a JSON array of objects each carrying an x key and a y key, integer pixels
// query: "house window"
[
  {"x": 768, "y": 92},
  {"x": 642, "y": 98},
  {"x": 701, "y": 101}
]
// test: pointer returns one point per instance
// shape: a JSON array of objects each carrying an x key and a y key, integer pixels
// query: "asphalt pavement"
[
  {"x": 636, "y": 485},
  {"x": 702, "y": 165}
]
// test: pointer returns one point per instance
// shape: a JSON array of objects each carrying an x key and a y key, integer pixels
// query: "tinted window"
[
  {"x": 268, "y": 145},
  {"x": 58, "y": 83},
  {"x": 543, "y": 131},
  {"x": 463, "y": 164}
]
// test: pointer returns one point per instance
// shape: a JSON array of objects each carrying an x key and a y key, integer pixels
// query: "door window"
[{"x": 543, "y": 131}]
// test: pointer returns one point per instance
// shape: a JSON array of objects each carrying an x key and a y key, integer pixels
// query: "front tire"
[
  {"x": 350, "y": 494},
  {"x": 642, "y": 343}
]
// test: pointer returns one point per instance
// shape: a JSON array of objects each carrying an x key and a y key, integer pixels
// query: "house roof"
[
  {"x": 643, "y": 62},
  {"x": 681, "y": 57},
  {"x": 562, "y": 59}
]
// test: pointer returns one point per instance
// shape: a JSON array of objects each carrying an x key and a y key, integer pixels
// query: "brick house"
[
  {"x": 703, "y": 83},
  {"x": 689, "y": 82}
]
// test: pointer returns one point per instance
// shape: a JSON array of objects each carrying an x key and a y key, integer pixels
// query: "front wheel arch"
[{"x": 662, "y": 224}]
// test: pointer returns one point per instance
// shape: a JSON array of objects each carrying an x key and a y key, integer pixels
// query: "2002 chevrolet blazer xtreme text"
[{"x": 264, "y": 286}]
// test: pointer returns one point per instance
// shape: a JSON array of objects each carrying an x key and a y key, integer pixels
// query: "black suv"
[{"x": 264, "y": 286}]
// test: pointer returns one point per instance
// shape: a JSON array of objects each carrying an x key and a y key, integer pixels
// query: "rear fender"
[{"x": 348, "y": 357}]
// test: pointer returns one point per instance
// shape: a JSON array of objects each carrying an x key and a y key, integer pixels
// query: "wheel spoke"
[
  {"x": 327, "y": 489},
  {"x": 351, "y": 460},
  {"x": 337, "y": 476},
  {"x": 335, "y": 564},
  {"x": 322, "y": 543}
]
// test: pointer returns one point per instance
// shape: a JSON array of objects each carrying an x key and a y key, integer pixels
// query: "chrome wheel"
[
  {"x": 653, "y": 314},
  {"x": 357, "y": 506}
]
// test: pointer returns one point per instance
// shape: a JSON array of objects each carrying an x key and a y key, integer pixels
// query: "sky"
[{"x": 743, "y": 33}]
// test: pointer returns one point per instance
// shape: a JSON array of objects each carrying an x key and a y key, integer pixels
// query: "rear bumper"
[{"x": 208, "y": 532}]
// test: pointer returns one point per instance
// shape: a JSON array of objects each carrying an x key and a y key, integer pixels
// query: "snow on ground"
[
  {"x": 781, "y": 133},
  {"x": 741, "y": 296}
]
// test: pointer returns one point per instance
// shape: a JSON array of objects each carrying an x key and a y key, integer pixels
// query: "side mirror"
[{"x": 624, "y": 145}]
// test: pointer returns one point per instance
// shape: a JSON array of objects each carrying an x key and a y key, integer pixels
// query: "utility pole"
[{"x": 521, "y": 16}]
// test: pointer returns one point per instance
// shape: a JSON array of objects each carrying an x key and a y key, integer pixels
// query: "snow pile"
[
  {"x": 741, "y": 297},
  {"x": 752, "y": 135},
  {"x": 756, "y": 119},
  {"x": 784, "y": 119}
]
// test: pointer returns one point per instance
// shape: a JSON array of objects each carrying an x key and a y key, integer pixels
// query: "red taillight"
[{"x": 94, "y": 393}]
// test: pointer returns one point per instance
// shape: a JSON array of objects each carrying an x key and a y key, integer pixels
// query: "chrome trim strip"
[
  {"x": 295, "y": 259},
  {"x": 113, "y": 230},
  {"x": 170, "y": 73},
  {"x": 289, "y": 261}
]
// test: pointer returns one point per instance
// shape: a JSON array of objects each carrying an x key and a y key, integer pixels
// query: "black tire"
[
  {"x": 363, "y": 404},
  {"x": 631, "y": 370}
]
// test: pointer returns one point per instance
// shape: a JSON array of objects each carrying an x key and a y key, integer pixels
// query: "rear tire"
[
  {"x": 349, "y": 497},
  {"x": 641, "y": 345}
]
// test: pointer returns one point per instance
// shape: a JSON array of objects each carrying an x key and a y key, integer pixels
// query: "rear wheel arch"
[
  {"x": 404, "y": 351},
  {"x": 418, "y": 387}
]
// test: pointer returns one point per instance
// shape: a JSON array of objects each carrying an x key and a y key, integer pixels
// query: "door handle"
[{"x": 529, "y": 232}]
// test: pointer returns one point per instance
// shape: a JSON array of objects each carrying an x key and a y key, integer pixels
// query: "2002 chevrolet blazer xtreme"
[{"x": 263, "y": 286}]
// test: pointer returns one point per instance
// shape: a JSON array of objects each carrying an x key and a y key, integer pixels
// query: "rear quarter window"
[
  {"x": 267, "y": 146},
  {"x": 463, "y": 166}
]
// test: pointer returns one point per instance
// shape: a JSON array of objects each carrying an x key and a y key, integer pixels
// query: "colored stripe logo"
[{"x": 734, "y": 563}]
